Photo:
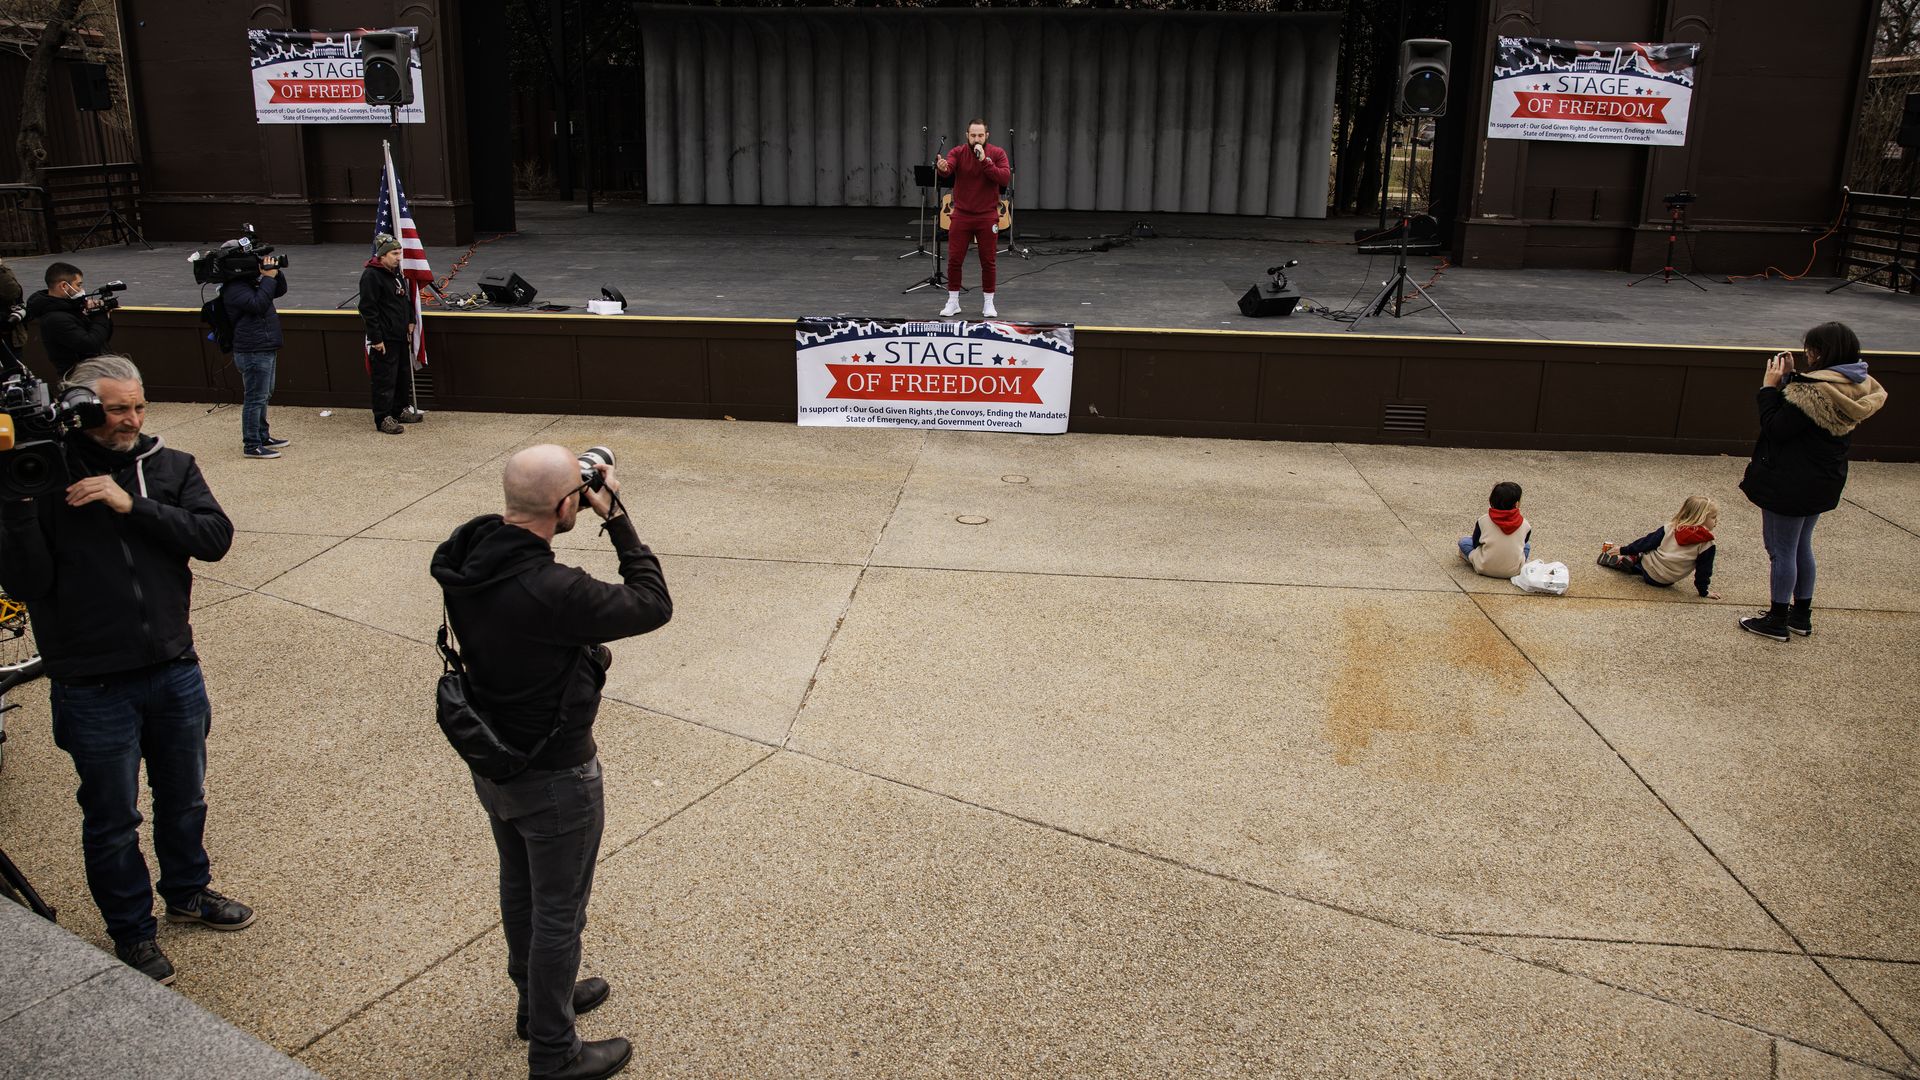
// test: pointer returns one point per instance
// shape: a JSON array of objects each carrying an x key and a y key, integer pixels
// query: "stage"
[
  {"x": 1550, "y": 359},
  {"x": 782, "y": 263}
]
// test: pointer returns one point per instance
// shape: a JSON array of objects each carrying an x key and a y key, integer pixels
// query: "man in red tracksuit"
[{"x": 979, "y": 171}]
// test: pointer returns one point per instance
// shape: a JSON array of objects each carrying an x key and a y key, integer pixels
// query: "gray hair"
[{"x": 88, "y": 373}]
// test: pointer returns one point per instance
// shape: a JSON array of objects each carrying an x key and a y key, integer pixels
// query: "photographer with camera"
[
  {"x": 387, "y": 312},
  {"x": 532, "y": 632},
  {"x": 248, "y": 299},
  {"x": 74, "y": 325},
  {"x": 101, "y": 564}
]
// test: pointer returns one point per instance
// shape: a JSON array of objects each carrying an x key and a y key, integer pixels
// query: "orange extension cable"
[{"x": 1812, "y": 256}]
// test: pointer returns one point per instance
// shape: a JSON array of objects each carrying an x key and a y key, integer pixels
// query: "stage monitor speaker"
[
  {"x": 387, "y": 68},
  {"x": 508, "y": 288},
  {"x": 1423, "y": 77},
  {"x": 1264, "y": 300},
  {"x": 1909, "y": 136},
  {"x": 91, "y": 90}
]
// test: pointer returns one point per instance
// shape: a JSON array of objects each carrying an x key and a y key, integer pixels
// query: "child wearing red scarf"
[
  {"x": 1501, "y": 540},
  {"x": 1672, "y": 551}
]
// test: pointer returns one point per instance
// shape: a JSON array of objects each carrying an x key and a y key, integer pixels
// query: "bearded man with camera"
[
  {"x": 101, "y": 563},
  {"x": 75, "y": 325},
  {"x": 532, "y": 636}
]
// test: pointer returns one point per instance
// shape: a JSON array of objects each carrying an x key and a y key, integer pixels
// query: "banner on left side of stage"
[
  {"x": 316, "y": 77},
  {"x": 952, "y": 376}
]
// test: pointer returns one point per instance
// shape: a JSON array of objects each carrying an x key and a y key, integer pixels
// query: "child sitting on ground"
[
  {"x": 1670, "y": 552},
  {"x": 1501, "y": 540}
]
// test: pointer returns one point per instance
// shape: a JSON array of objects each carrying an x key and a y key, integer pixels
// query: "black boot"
[
  {"x": 1800, "y": 617},
  {"x": 587, "y": 996},
  {"x": 596, "y": 1061},
  {"x": 1771, "y": 623}
]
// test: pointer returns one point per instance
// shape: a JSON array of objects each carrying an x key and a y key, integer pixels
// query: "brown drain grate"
[{"x": 1404, "y": 418}]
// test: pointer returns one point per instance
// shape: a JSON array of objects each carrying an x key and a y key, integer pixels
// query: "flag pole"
[{"x": 393, "y": 209}]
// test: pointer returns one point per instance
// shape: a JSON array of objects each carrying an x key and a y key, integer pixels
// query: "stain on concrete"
[{"x": 1406, "y": 674}]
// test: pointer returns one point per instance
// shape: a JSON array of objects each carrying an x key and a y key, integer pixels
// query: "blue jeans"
[
  {"x": 108, "y": 725},
  {"x": 547, "y": 827},
  {"x": 1789, "y": 543},
  {"x": 256, "y": 374}
]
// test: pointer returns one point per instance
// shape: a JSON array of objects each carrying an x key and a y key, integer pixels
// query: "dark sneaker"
[
  {"x": 209, "y": 908},
  {"x": 390, "y": 426},
  {"x": 1768, "y": 625},
  {"x": 1800, "y": 618},
  {"x": 146, "y": 958},
  {"x": 587, "y": 996},
  {"x": 262, "y": 452},
  {"x": 411, "y": 416},
  {"x": 276, "y": 444}
]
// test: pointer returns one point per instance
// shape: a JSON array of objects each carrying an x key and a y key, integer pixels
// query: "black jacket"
[
  {"x": 526, "y": 627},
  {"x": 1799, "y": 468},
  {"x": 109, "y": 592},
  {"x": 69, "y": 333},
  {"x": 249, "y": 304},
  {"x": 385, "y": 308},
  {"x": 15, "y": 334}
]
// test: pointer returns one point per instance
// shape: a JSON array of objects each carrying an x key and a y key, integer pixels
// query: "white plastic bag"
[{"x": 1542, "y": 577}]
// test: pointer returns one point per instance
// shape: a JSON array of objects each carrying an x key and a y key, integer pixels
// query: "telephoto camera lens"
[{"x": 590, "y": 458}]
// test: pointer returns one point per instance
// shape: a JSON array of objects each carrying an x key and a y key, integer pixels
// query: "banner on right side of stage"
[{"x": 1629, "y": 92}]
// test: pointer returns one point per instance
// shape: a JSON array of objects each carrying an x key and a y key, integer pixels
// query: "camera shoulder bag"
[{"x": 485, "y": 752}]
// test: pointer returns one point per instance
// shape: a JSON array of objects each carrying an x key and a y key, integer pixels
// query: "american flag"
[{"x": 413, "y": 255}]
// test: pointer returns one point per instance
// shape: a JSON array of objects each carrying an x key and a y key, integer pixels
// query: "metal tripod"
[
  {"x": 1396, "y": 286},
  {"x": 1676, "y": 216}
]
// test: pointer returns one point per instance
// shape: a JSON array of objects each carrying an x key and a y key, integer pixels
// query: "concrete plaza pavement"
[{"x": 1195, "y": 757}]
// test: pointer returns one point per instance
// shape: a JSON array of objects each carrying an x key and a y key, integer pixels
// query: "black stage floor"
[{"x": 764, "y": 262}]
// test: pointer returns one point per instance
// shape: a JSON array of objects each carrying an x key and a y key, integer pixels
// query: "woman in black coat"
[{"x": 1799, "y": 464}]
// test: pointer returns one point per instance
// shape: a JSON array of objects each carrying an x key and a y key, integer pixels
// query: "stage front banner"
[
  {"x": 953, "y": 376},
  {"x": 315, "y": 77},
  {"x": 1629, "y": 92}
]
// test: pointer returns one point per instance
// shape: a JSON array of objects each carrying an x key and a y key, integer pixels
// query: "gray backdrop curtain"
[{"x": 1203, "y": 113}]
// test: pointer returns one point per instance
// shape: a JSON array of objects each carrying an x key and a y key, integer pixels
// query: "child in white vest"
[
  {"x": 1502, "y": 539},
  {"x": 1680, "y": 547}
]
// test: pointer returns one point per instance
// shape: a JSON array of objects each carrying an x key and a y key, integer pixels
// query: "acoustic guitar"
[{"x": 946, "y": 212}]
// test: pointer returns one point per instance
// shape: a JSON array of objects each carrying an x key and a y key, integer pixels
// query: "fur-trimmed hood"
[{"x": 1832, "y": 400}]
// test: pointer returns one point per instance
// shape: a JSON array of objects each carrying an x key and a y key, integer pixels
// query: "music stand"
[
  {"x": 937, "y": 276},
  {"x": 924, "y": 177}
]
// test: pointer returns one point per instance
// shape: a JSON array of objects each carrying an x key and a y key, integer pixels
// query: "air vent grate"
[{"x": 1404, "y": 418}]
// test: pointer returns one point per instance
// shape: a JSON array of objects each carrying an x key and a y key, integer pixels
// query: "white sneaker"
[
  {"x": 988, "y": 312},
  {"x": 953, "y": 304}
]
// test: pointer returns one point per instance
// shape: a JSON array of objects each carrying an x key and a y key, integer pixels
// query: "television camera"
[
  {"x": 34, "y": 422},
  {"x": 242, "y": 257}
]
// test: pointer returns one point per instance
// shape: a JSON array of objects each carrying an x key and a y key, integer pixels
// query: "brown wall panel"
[
  {"x": 1182, "y": 384},
  {"x": 1294, "y": 392},
  {"x": 1473, "y": 393},
  {"x": 1611, "y": 399},
  {"x": 1514, "y": 394},
  {"x": 746, "y": 371},
  {"x": 661, "y": 369}
]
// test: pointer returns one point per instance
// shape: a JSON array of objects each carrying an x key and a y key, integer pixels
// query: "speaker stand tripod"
[
  {"x": 1896, "y": 266},
  {"x": 1676, "y": 220},
  {"x": 122, "y": 228},
  {"x": 1396, "y": 286}
]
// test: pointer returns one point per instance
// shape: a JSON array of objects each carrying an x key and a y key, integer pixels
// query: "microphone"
[{"x": 1283, "y": 266}]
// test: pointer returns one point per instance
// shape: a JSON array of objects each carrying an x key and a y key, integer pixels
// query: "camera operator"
[
  {"x": 73, "y": 325},
  {"x": 102, "y": 568},
  {"x": 387, "y": 314},
  {"x": 532, "y": 633},
  {"x": 256, "y": 344}
]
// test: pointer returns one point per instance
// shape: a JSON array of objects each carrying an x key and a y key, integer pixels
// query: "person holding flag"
[
  {"x": 389, "y": 319},
  {"x": 405, "y": 272}
]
